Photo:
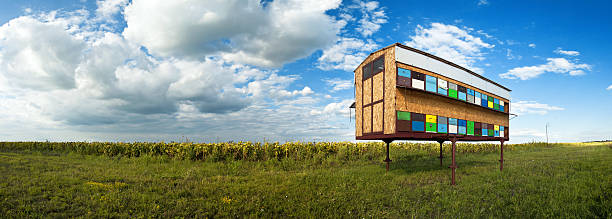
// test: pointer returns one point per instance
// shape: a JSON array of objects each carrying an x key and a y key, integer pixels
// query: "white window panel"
[
  {"x": 442, "y": 84},
  {"x": 416, "y": 83},
  {"x": 452, "y": 129}
]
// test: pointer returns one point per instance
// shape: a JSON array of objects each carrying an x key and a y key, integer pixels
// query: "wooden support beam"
[
  {"x": 387, "y": 160},
  {"x": 453, "y": 164},
  {"x": 441, "y": 142},
  {"x": 501, "y": 161}
]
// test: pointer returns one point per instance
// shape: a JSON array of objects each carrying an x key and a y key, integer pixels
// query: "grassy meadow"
[{"x": 243, "y": 179}]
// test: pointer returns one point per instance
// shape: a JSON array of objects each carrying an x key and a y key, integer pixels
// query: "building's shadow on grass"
[{"x": 424, "y": 163}]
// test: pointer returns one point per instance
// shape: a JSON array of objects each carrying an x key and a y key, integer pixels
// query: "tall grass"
[{"x": 250, "y": 151}]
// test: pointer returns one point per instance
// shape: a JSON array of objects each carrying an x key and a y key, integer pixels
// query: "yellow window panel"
[{"x": 430, "y": 118}]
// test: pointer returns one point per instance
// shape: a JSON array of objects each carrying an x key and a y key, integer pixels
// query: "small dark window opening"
[
  {"x": 373, "y": 68},
  {"x": 379, "y": 65},
  {"x": 367, "y": 71}
]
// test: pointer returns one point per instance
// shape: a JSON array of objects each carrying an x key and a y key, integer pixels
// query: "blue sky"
[{"x": 119, "y": 70}]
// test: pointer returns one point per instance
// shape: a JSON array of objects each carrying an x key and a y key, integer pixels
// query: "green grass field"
[{"x": 560, "y": 181}]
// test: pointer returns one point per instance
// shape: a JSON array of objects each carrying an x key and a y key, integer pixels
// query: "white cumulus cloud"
[
  {"x": 556, "y": 65},
  {"x": 67, "y": 76},
  {"x": 39, "y": 55},
  {"x": 373, "y": 16},
  {"x": 528, "y": 133},
  {"x": 346, "y": 54},
  {"x": 483, "y": 2},
  {"x": 532, "y": 107},
  {"x": 99, "y": 79},
  {"x": 451, "y": 43},
  {"x": 240, "y": 31},
  {"x": 336, "y": 108},
  {"x": 566, "y": 52},
  {"x": 108, "y": 8},
  {"x": 338, "y": 84}
]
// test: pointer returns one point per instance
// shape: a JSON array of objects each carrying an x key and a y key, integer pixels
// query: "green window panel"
[
  {"x": 401, "y": 115},
  {"x": 491, "y": 132},
  {"x": 490, "y": 99},
  {"x": 452, "y": 93},
  {"x": 497, "y": 106},
  {"x": 431, "y": 127},
  {"x": 470, "y": 124},
  {"x": 470, "y": 130}
]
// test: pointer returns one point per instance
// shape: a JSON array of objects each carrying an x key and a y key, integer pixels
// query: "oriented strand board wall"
[
  {"x": 367, "y": 91},
  {"x": 378, "y": 117},
  {"x": 367, "y": 119},
  {"x": 411, "y": 68},
  {"x": 426, "y": 103},
  {"x": 378, "y": 88},
  {"x": 358, "y": 103},
  {"x": 364, "y": 90},
  {"x": 390, "y": 86}
]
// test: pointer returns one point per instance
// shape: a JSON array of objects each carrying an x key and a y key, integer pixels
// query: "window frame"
[{"x": 370, "y": 66}]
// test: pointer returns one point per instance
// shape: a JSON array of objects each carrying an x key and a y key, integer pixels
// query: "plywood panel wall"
[
  {"x": 390, "y": 86},
  {"x": 367, "y": 119},
  {"x": 378, "y": 117},
  {"x": 378, "y": 87},
  {"x": 367, "y": 91},
  {"x": 358, "y": 103},
  {"x": 374, "y": 89}
]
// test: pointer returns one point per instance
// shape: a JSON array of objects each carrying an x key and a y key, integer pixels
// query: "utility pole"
[{"x": 547, "y": 134}]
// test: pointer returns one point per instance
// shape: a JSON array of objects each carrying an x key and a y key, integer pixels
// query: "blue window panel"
[
  {"x": 484, "y": 101},
  {"x": 485, "y": 132},
  {"x": 418, "y": 126},
  {"x": 443, "y": 91},
  {"x": 476, "y": 94},
  {"x": 496, "y": 133},
  {"x": 461, "y": 130},
  {"x": 403, "y": 72},
  {"x": 431, "y": 83},
  {"x": 431, "y": 87},
  {"x": 496, "y": 101},
  {"x": 501, "y": 108},
  {"x": 470, "y": 92},
  {"x": 452, "y": 121},
  {"x": 462, "y": 122},
  {"x": 462, "y": 96},
  {"x": 431, "y": 79},
  {"x": 442, "y": 128}
]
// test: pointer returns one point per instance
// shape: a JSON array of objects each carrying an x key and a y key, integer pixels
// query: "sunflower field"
[{"x": 249, "y": 151}]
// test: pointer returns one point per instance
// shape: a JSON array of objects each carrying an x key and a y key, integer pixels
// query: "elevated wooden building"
[{"x": 406, "y": 94}]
